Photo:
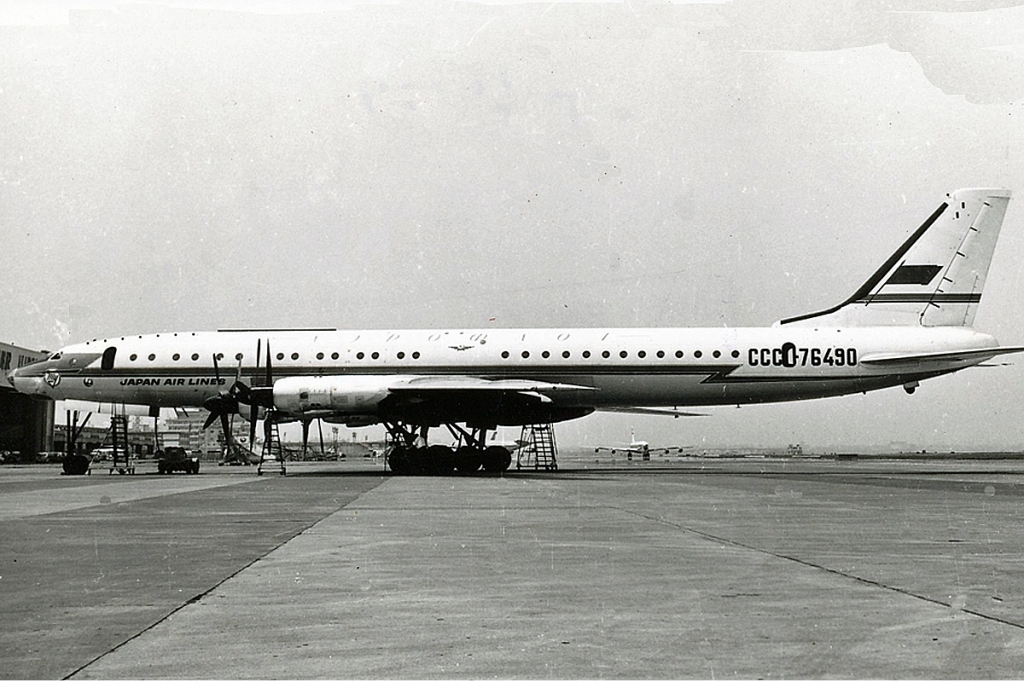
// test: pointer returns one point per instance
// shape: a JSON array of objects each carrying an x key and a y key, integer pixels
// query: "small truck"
[{"x": 177, "y": 459}]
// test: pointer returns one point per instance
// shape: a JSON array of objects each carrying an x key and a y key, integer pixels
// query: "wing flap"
[{"x": 657, "y": 411}]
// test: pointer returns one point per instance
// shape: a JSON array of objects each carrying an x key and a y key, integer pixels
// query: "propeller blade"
[
  {"x": 305, "y": 436},
  {"x": 256, "y": 374},
  {"x": 270, "y": 377},
  {"x": 210, "y": 419},
  {"x": 320, "y": 427},
  {"x": 227, "y": 429},
  {"x": 252, "y": 427}
]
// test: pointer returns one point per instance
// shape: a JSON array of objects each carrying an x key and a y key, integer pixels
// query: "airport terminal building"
[{"x": 26, "y": 425}]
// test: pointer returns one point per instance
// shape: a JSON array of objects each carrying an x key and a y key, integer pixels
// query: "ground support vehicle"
[{"x": 177, "y": 459}]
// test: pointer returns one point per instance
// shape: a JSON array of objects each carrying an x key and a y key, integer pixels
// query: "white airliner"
[
  {"x": 911, "y": 320},
  {"x": 641, "y": 447}
]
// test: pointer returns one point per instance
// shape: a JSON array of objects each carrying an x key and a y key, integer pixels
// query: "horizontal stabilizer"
[
  {"x": 980, "y": 354},
  {"x": 667, "y": 411}
]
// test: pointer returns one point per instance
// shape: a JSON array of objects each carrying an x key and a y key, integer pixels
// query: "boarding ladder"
[
  {"x": 122, "y": 459},
  {"x": 538, "y": 448},
  {"x": 272, "y": 454}
]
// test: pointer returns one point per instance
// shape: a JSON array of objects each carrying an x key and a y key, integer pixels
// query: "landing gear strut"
[{"x": 410, "y": 455}]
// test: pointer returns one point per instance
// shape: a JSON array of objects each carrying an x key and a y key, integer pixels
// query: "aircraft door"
[{"x": 108, "y": 358}]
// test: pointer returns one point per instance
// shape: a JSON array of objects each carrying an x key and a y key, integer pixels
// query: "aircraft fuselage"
[{"x": 619, "y": 367}]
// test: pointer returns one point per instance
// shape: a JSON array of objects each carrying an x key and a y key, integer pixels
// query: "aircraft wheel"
[
  {"x": 399, "y": 461},
  {"x": 416, "y": 463},
  {"x": 467, "y": 460},
  {"x": 440, "y": 460},
  {"x": 496, "y": 459},
  {"x": 76, "y": 465}
]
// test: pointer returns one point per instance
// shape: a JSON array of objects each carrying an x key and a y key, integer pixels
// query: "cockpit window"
[{"x": 55, "y": 356}]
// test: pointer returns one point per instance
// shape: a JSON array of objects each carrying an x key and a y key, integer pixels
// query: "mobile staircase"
[
  {"x": 538, "y": 450},
  {"x": 122, "y": 460},
  {"x": 272, "y": 454}
]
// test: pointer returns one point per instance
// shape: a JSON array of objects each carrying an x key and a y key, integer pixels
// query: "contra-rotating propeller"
[
  {"x": 263, "y": 396},
  {"x": 226, "y": 402}
]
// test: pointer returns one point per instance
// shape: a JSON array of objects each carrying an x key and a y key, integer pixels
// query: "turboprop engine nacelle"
[{"x": 331, "y": 394}]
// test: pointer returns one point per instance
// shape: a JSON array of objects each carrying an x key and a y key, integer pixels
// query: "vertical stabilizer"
[{"x": 936, "y": 277}]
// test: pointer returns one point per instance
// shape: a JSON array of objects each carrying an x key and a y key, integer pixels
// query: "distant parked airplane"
[
  {"x": 911, "y": 320},
  {"x": 641, "y": 447}
]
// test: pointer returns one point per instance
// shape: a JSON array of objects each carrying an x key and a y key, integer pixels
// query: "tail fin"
[{"x": 936, "y": 277}]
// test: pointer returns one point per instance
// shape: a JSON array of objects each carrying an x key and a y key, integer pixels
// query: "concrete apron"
[{"x": 582, "y": 578}]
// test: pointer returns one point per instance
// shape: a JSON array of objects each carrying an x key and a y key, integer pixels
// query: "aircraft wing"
[
  {"x": 505, "y": 402},
  {"x": 922, "y": 359},
  {"x": 652, "y": 450},
  {"x": 668, "y": 450}
]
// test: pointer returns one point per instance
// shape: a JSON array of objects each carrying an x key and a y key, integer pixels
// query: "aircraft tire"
[
  {"x": 467, "y": 460},
  {"x": 76, "y": 465},
  {"x": 496, "y": 459},
  {"x": 419, "y": 464},
  {"x": 399, "y": 461},
  {"x": 440, "y": 459}
]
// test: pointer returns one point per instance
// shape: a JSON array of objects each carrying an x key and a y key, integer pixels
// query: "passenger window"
[{"x": 108, "y": 358}]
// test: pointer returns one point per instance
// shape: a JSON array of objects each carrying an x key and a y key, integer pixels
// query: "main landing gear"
[{"x": 410, "y": 454}]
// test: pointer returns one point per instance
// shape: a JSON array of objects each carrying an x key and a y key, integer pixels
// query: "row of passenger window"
[
  {"x": 624, "y": 354},
  {"x": 525, "y": 354}
]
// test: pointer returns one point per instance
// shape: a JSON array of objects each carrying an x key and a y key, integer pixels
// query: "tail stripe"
[
  {"x": 862, "y": 293},
  {"x": 921, "y": 298}
]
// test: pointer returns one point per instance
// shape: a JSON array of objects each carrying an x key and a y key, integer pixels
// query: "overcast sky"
[{"x": 180, "y": 166}]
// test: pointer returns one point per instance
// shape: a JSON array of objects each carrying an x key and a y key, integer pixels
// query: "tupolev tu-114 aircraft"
[{"x": 911, "y": 320}]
